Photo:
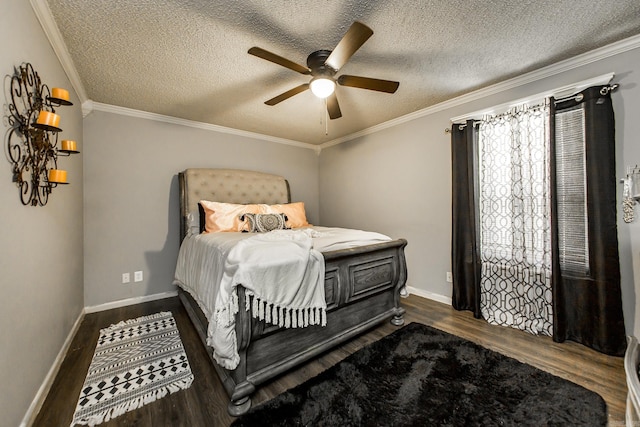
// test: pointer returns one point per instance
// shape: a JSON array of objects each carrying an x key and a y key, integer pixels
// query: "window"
[
  {"x": 571, "y": 191},
  {"x": 514, "y": 221},
  {"x": 581, "y": 299},
  {"x": 514, "y": 201}
]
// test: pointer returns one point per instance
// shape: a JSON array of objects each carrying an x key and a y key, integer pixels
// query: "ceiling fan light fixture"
[
  {"x": 322, "y": 87},
  {"x": 323, "y": 65}
]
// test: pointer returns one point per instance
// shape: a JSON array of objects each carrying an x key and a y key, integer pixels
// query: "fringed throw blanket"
[
  {"x": 282, "y": 272},
  {"x": 284, "y": 281},
  {"x": 135, "y": 362}
]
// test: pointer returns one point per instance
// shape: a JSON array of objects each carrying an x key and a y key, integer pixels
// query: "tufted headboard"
[{"x": 228, "y": 186}]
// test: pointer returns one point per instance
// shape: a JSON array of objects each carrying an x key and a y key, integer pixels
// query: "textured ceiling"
[{"x": 188, "y": 58}]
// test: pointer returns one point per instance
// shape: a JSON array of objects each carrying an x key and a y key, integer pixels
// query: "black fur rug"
[{"x": 421, "y": 376}]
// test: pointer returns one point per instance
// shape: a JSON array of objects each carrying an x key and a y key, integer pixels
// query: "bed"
[{"x": 362, "y": 288}]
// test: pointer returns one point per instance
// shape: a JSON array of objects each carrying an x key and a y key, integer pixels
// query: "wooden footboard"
[{"x": 362, "y": 287}]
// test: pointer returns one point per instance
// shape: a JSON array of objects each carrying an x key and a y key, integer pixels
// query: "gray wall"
[
  {"x": 41, "y": 247},
  {"x": 398, "y": 180},
  {"x": 131, "y": 194}
]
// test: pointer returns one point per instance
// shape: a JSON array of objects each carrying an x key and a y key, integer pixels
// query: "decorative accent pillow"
[
  {"x": 263, "y": 223},
  {"x": 226, "y": 216},
  {"x": 296, "y": 215}
]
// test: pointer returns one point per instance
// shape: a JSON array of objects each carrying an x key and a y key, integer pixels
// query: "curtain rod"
[
  {"x": 603, "y": 91},
  {"x": 563, "y": 91},
  {"x": 460, "y": 125}
]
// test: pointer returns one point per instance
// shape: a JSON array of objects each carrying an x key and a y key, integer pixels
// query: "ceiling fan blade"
[
  {"x": 277, "y": 59},
  {"x": 332, "y": 107},
  {"x": 368, "y": 83},
  {"x": 355, "y": 37},
  {"x": 288, "y": 94}
]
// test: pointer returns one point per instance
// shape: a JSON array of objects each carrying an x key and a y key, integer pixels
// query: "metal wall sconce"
[
  {"x": 630, "y": 192},
  {"x": 33, "y": 136}
]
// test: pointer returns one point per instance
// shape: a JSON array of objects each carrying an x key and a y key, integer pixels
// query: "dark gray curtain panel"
[
  {"x": 464, "y": 256},
  {"x": 587, "y": 301}
]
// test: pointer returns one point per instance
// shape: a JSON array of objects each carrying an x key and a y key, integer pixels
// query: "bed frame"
[{"x": 362, "y": 288}]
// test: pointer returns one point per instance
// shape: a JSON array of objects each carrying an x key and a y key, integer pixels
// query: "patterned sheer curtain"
[{"x": 514, "y": 217}]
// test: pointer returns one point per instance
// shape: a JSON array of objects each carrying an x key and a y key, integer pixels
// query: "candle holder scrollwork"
[{"x": 32, "y": 139}]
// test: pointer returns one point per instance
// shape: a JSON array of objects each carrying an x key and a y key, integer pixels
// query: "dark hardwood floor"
[{"x": 205, "y": 402}]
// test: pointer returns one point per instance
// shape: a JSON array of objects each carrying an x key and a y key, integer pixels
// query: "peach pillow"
[
  {"x": 296, "y": 215},
  {"x": 226, "y": 216}
]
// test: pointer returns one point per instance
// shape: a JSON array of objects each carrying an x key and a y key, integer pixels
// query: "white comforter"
[{"x": 282, "y": 271}]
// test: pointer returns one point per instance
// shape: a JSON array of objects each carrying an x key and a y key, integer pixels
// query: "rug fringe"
[
  {"x": 131, "y": 405},
  {"x": 139, "y": 319}
]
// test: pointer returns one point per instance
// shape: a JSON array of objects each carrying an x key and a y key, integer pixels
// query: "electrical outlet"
[
  {"x": 126, "y": 278},
  {"x": 449, "y": 277},
  {"x": 137, "y": 276}
]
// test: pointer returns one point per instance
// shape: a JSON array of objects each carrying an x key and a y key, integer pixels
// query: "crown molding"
[
  {"x": 90, "y": 106},
  {"x": 557, "y": 93},
  {"x": 87, "y": 108},
  {"x": 43, "y": 13},
  {"x": 533, "y": 76},
  {"x": 51, "y": 30}
]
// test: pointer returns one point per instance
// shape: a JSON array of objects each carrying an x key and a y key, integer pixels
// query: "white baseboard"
[
  {"x": 129, "y": 301},
  {"x": 429, "y": 295},
  {"x": 38, "y": 400},
  {"x": 43, "y": 391}
]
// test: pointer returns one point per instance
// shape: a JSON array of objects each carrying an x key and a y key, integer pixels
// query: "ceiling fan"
[{"x": 322, "y": 65}]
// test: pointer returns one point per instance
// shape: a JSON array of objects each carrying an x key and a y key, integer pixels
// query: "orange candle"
[
  {"x": 57, "y": 175},
  {"x": 68, "y": 145},
  {"x": 59, "y": 93},
  {"x": 48, "y": 118}
]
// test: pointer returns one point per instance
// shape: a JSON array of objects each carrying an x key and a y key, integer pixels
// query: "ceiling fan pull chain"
[{"x": 326, "y": 118}]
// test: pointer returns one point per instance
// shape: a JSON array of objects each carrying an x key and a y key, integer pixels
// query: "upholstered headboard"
[{"x": 228, "y": 186}]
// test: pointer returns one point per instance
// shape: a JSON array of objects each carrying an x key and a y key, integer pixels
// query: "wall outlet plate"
[
  {"x": 449, "y": 277},
  {"x": 137, "y": 276},
  {"x": 126, "y": 278}
]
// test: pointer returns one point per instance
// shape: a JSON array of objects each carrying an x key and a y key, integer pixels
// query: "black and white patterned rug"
[{"x": 135, "y": 362}]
